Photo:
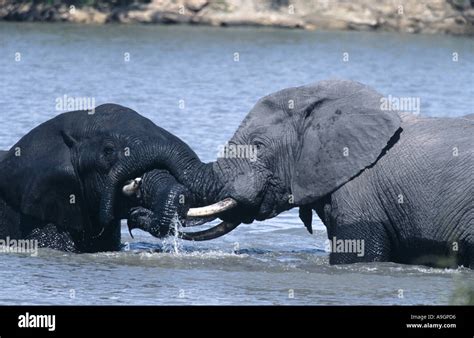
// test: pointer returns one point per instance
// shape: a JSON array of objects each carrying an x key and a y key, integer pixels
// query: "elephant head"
[
  {"x": 308, "y": 141},
  {"x": 70, "y": 170}
]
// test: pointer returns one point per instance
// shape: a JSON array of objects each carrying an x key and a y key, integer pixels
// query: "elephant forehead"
[
  {"x": 105, "y": 119},
  {"x": 109, "y": 117},
  {"x": 322, "y": 96}
]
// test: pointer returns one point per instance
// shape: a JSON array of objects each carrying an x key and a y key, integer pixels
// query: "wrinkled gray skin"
[
  {"x": 401, "y": 183},
  {"x": 160, "y": 201}
]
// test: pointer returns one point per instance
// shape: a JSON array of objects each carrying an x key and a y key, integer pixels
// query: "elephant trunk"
[{"x": 174, "y": 156}]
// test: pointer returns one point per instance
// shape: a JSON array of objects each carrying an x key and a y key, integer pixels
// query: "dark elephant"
[
  {"x": 62, "y": 183},
  {"x": 401, "y": 184}
]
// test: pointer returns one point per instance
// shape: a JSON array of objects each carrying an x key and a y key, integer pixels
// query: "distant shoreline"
[{"x": 410, "y": 16}]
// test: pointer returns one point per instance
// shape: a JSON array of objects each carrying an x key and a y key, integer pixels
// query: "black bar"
[{"x": 155, "y": 321}]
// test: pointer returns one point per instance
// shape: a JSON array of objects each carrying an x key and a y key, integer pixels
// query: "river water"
[{"x": 198, "y": 83}]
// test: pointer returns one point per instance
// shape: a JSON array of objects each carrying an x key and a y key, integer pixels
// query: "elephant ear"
[
  {"x": 40, "y": 181},
  {"x": 336, "y": 143}
]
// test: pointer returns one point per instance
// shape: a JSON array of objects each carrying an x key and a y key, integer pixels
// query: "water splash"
[
  {"x": 176, "y": 224},
  {"x": 173, "y": 244}
]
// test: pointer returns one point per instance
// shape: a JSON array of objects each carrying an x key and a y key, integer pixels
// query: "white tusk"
[
  {"x": 212, "y": 209},
  {"x": 132, "y": 187}
]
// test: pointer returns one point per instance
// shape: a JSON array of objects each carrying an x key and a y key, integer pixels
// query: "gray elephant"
[
  {"x": 399, "y": 184},
  {"x": 67, "y": 183}
]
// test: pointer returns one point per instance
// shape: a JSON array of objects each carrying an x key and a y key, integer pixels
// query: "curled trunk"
[{"x": 174, "y": 156}]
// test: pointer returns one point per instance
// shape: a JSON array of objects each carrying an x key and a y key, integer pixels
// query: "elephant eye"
[
  {"x": 108, "y": 150},
  {"x": 258, "y": 143}
]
